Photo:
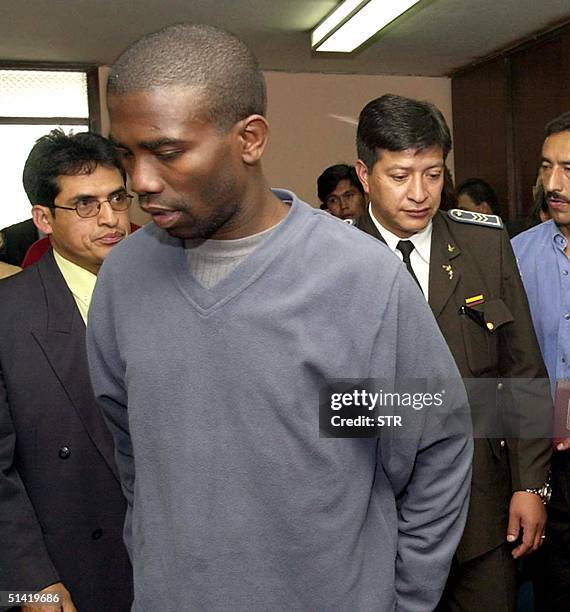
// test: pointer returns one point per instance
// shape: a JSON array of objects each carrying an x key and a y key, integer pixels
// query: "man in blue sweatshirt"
[{"x": 210, "y": 336}]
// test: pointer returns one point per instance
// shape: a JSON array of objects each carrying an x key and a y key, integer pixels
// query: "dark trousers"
[
  {"x": 484, "y": 584},
  {"x": 551, "y": 565}
]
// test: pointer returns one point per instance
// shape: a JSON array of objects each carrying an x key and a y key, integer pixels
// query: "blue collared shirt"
[{"x": 545, "y": 271}]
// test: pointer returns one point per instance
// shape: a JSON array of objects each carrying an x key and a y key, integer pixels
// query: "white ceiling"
[{"x": 431, "y": 40}]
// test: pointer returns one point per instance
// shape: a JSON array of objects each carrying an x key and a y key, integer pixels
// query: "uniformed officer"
[{"x": 464, "y": 265}]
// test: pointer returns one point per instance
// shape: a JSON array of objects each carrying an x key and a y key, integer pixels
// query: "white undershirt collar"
[{"x": 420, "y": 256}]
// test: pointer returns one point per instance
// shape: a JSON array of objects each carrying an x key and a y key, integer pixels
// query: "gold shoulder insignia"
[{"x": 475, "y": 218}]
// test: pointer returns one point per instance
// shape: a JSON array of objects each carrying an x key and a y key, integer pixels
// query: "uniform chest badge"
[
  {"x": 475, "y": 300},
  {"x": 449, "y": 270}
]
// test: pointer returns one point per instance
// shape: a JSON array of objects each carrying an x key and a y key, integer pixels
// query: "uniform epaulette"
[{"x": 475, "y": 218}]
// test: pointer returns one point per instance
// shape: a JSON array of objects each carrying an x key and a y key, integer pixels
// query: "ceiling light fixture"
[{"x": 353, "y": 22}]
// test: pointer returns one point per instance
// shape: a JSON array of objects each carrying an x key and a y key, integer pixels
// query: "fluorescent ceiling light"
[
  {"x": 330, "y": 23},
  {"x": 345, "y": 35}
]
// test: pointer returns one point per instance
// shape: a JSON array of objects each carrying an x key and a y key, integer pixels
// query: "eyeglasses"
[{"x": 90, "y": 207}]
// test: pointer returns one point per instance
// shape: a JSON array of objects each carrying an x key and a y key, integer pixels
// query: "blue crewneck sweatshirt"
[{"x": 212, "y": 395}]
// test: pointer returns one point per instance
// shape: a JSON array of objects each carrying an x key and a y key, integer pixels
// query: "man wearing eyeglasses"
[{"x": 61, "y": 505}]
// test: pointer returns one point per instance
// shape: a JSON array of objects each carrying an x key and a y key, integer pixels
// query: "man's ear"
[
  {"x": 43, "y": 218},
  {"x": 253, "y": 132},
  {"x": 362, "y": 172}
]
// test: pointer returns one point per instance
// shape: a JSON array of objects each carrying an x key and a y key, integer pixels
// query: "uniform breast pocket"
[{"x": 481, "y": 324}]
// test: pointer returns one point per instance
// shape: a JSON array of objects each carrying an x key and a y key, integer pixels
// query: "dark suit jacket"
[
  {"x": 16, "y": 240},
  {"x": 465, "y": 261},
  {"x": 61, "y": 506}
]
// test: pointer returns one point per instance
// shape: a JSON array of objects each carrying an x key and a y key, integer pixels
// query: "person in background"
[
  {"x": 61, "y": 506},
  {"x": 16, "y": 239},
  {"x": 477, "y": 195},
  {"x": 340, "y": 192},
  {"x": 543, "y": 254},
  {"x": 8, "y": 270}
]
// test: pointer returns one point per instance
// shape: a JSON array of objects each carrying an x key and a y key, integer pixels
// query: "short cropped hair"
[
  {"x": 560, "y": 124},
  {"x": 480, "y": 191},
  {"x": 331, "y": 177},
  {"x": 395, "y": 123},
  {"x": 201, "y": 56},
  {"x": 58, "y": 154}
]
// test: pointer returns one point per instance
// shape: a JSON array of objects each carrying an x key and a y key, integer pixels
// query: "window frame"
[{"x": 92, "y": 123}]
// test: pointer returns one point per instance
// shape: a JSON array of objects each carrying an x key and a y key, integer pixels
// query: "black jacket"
[
  {"x": 61, "y": 506},
  {"x": 15, "y": 241}
]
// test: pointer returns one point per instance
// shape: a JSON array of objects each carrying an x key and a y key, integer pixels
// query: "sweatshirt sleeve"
[
  {"x": 107, "y": 372},
  {"x": 428, "y": 460}
]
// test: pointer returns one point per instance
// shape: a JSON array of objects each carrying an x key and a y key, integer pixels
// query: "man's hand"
[
  {"x": 526, "y": 512},
  {"x": 563, "y": 445},
  {"x": 65, "y": 604}
]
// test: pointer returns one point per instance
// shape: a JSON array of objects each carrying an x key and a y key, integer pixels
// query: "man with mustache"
[
  {"x": 543, "y": 253},
  {"x": 61, "y": 506}
]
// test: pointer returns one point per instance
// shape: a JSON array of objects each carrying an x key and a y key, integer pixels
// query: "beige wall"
[
  {"x": 313, "y": 120},
  {"x": 310, "y": 117}
]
